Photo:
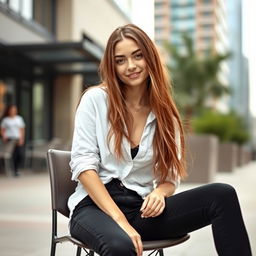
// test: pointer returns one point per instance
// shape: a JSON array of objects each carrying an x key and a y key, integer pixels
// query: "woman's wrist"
[
  {"x": 118, "y": 217},
  {"x": 165, "y": 189}
]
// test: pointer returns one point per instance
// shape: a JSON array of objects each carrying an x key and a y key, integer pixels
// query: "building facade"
[
  {"x": 238, "y": 63},
  {"x": 205, "y": 21},
  {"x": 50, "y": 50}
]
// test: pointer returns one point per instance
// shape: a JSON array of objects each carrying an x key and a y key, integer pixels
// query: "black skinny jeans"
[{"x": 216, "y": 204}]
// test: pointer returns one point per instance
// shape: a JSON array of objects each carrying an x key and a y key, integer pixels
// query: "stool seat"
[{"x": 147, "y": 245}]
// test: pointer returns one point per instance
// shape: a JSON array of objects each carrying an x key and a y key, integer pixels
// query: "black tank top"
[{"x": 134, "y": 151}]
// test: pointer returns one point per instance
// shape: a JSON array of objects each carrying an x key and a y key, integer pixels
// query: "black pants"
[
  {"x": 17, "y": 155},
  {"x": 216, "y": 204}
]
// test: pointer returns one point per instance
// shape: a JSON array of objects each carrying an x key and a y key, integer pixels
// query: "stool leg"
[
  {"x": 78, "y": 251},
  {"x": 161, "y": 252},
  {"x": 53, "y": 248}
]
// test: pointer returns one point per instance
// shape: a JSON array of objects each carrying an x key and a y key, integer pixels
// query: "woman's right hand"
[{"x": 133, "y": 234}]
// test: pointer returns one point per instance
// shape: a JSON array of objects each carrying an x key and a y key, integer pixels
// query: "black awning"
[{"x": 62, "y": 57}]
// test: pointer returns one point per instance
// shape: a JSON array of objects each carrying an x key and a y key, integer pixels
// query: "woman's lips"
[{"x": 134, "y": 75}]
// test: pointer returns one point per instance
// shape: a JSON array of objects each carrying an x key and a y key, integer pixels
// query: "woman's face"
[
  {"x": 130, "y": 65},
  {"x": 13, "y": 111}
]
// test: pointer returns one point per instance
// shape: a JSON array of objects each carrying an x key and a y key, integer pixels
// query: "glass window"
[
  {"x": 27, "y": 9},
  {"x": 39, "y": 11},
  {"x": 184, "y": 24},
  {"x": 159, "y": 30},
  {"x": 159, "y": 5},
  {"x": 38, "y": 110},
  {"x": 14, "y": 5},
  {"x": 10, "y": 94},
  {"x": 206, "y": 13},
  {"x": 44, "y": 13},
  {"x": 183, "y": 2},
  {"x": 206, "y": 1},
  {"x": 206, "y": 40},
  {"x": 183, "y": 12},
  {"x": 206, "y": 26},
  {"x": 158, "y": 18},
  {"x": 25, "y": 107}
]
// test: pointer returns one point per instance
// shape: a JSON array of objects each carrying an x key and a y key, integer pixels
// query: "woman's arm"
[{"x": 99, "y": 194}]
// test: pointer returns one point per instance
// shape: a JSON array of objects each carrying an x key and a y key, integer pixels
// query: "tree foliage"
[{"x": 195, "y": 78}]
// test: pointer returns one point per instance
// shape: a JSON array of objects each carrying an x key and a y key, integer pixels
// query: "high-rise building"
[
  {"x": 202, "y": 20},
  {"x": 205, "y": 21},
  {"x": 162, "y": 21},
  {"x": 239, "y": 100}
]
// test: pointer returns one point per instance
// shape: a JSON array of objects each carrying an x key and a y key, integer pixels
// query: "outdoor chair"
[
  {"x": 6, "y": 151},
  {"x": 62, "y": 187},
  {"x": 36, "y": 151}
]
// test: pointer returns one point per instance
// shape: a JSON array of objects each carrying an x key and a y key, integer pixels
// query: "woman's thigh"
[
  {"x": 184, "y": 212},
  {"x": 96, "y": 229}
]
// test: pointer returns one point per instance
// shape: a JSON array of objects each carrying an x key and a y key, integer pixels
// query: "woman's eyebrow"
[{"x": 134, "y": 52}]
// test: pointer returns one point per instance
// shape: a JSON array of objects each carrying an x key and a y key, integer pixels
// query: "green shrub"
[{"x": 227, "y": 127}]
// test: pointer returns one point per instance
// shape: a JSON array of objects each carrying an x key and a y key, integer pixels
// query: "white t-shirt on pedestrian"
[{"x": 12, "y": 126}]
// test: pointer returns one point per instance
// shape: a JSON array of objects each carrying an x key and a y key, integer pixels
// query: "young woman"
[
  {"x": 128, "y": 157},
  {"x": 13, "y": 128}
]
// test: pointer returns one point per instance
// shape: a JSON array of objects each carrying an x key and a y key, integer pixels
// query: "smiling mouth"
[{"x": 134, "y": 75}]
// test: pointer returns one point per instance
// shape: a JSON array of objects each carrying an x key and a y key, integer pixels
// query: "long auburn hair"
[{"x": 161, "y": 102}]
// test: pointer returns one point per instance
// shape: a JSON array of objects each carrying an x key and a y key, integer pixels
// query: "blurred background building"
[
  {"x": 214, "y": 25},
  {"x": 205, "y": 21},
  {"x": 50, "y": 50},
  {"x": 238, "y": 64}
]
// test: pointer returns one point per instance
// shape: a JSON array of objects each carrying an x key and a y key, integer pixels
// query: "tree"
[{"x": 195, "y": 79}]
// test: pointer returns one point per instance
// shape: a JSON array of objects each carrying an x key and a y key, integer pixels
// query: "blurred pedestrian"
[
  {"x": 128, "y": 157},
  {"x": 13, "y": 129}
]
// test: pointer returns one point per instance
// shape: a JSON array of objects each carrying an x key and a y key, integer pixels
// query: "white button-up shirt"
[{"x": 90, "y": 150}]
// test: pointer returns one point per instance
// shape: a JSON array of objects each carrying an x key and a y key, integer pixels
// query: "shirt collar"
[{"x": 151, "y": 117}]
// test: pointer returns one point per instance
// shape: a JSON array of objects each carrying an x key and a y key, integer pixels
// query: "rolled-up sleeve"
[{"x": 85, "y": 151}]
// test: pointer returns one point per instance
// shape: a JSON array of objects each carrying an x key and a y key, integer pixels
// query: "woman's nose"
[{"x": 131, "y": 65}]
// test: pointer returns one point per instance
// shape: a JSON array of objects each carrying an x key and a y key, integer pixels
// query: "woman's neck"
[{"x": 136, "y": 97}]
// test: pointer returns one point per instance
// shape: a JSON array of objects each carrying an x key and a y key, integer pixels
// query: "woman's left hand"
[{"x": 153, "y": 204}]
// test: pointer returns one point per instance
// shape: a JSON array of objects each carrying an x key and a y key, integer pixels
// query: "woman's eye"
[
  {"x": 119, "y": 61},
  {"x": 138, "y": 56}
]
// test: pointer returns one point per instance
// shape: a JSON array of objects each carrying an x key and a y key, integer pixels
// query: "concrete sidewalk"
[{"x": 25, "y": 216}]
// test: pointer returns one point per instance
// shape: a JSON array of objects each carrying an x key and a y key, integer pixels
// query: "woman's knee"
[
  {"x": 120, "y": 246},
  {"x": 223, "y": 192}
]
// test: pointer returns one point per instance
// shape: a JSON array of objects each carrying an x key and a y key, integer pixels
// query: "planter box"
[
  {"x": 248, "y": 155},
  {"x": 202, "y": 158},
  {"x": 227, "y": 157},
  {"x": 242, "y": 155}
]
